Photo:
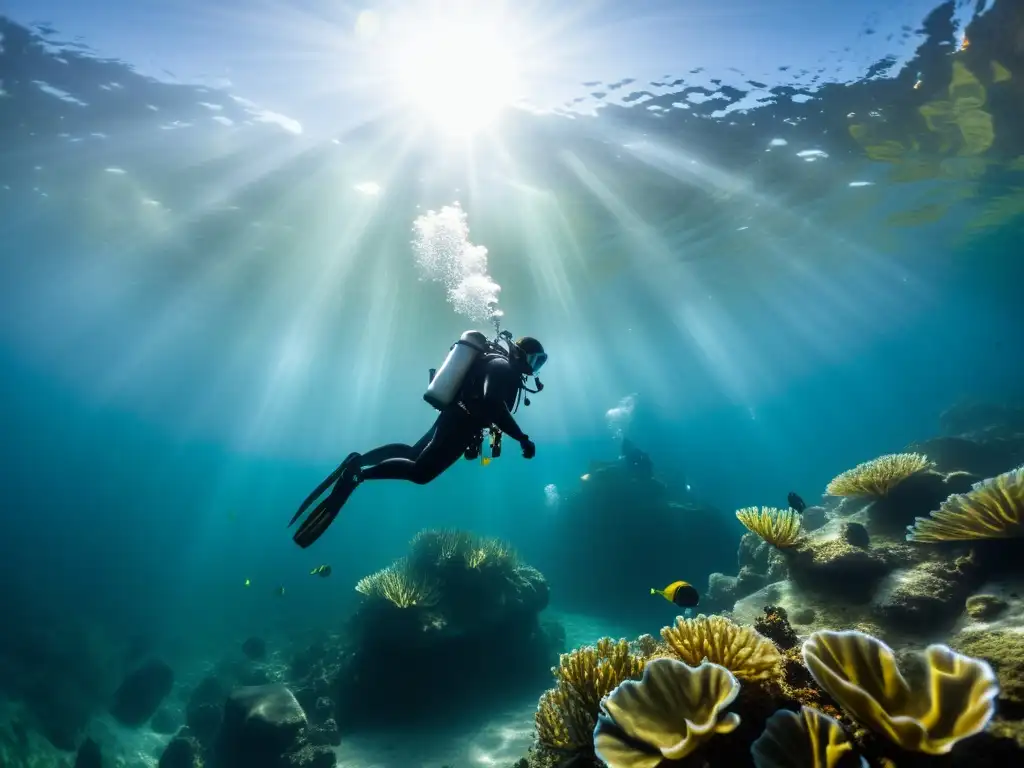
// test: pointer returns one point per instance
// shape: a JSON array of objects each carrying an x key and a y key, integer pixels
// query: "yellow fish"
[
  {"x": 323, "y": 571},
  {"x": 484, "y": 460},
  {"x": 681, "y": 593}
]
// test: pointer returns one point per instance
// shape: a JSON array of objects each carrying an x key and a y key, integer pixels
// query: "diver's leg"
[
  {"x": 397, "y": 450},
  {"x": 452, "y": 433}
]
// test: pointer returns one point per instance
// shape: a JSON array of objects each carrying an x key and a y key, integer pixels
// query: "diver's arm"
[{"x": 499, "y": 379}]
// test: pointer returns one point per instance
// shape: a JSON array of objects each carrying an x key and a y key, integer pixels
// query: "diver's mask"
[{"x": 536, "y": 361}]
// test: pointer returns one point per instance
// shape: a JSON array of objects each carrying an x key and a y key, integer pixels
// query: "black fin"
[
  {"x": 327, "y": 483},
  {"x": 314, "y": 526}
]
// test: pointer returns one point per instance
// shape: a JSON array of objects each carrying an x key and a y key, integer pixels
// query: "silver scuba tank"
[{"x": 445, "y": 385}]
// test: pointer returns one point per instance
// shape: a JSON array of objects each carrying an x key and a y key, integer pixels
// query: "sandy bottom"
[{"x": 496, "y": 740}]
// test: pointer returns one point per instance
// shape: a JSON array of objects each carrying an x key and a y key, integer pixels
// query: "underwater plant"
[
  {"x": 666, "y": 715},
  {"x": 804, "y": 739},
  {"x": 992, "y": 509},
  {"x": 742, "y": 650},
  {"x": 876, "y": 478},
  {"x": 491, "y": 553},
  {"x": 779, "y": 527},
  {"x": 859, "y": 671},
  {"x": 566, "y": 714},
  {"x": 400, "y": 585}
]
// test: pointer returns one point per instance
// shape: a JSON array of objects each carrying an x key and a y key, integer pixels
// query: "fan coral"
[
  {"x": 741, "y": 650},
  {"x": 490, "y": 553},
  {"x": 808, "y": 739},
  {"x": 779, "y": 527},
  {"x": 992, "y": 509},
  {"x": 666, "y": 714},
  {"x": 859, "y": 671},
  {"x": 400, "y": 585},
  {"x": 566, "y": 714},
  {"x": 877, "y": 477}
]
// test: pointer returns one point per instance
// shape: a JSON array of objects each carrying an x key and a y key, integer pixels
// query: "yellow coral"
[
  {"x": 741, "y": 650},
  {"x": 877, "y": 477},
  {"x": 992, "y": 509},
  {"x": 666, "y": 715},
  {"x": 779, "y": 527},
  {"x": 492, "y": 553},
  {"x": 859, "y": 671},
  {"x": 439, "y": 546},
  {"x": 400, "y": 585},
  {"x": 566, "y": 714},
  {"x": 808, "y": 739}
]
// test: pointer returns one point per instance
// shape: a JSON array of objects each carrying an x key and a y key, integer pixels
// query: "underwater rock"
[
  {"x": 855, "y": 534},
  {"x": 914, "y": 497},
  {"x": 922, "y": 598},
  {"x": 754, "y": 552},
  {"x": 749, "y": 581},
  {"x": 182, "y": 751},
  {"x": 164, "y": 721},
  {"x": 812, "y": 518},
  {"x": 834, "y": 567},
  {"x": 327, "y": 734},
  {"x": 255, "y": 648},
  {"x": 141, "y": 693},
  {"x": 985, "y": 607},
  {"x": 722, "y": 589},
  {"x": 204, "y": 710},
  {"x": 261, "y": 725},
  {"x": 312, "y": 756},
  {"x": 982, "y": 458},
  {"x": 1004, "y": 650},
  {"x": 88, "y": 755}
]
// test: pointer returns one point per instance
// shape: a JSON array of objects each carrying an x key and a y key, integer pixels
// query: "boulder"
[
  {"x": 88, "y": 755},
  {"x": 923, "y": 598},
  {"x": 261, "y": 726},
  {"x": 182, "y": 751},
  {"x": 812, "y": 518},
  {"x": 1004, "y": 650},
  {"x": 141, "y": 693},
  {"x": 204, "y": 710},
  {"x": 834, "y": 567},
  {"x": 986, "y": 607},
  {"x": 721, "y": 589},
  {"x": 915, "y": 497},
  {"x": 855, "y": 534}
]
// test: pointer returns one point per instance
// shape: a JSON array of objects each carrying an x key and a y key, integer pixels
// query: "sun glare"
[{"x": 459, "y": 72}]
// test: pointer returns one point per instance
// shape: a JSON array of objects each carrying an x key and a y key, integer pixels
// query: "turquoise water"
[{"x": 773, "y": 236}]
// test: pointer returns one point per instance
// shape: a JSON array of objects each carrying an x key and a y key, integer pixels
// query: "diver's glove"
[{"x": 529, "y": 449}]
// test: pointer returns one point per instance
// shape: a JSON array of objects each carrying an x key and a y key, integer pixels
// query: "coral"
[
  {"x": 804, "y": 739},
  {"x": 992, "y": 509},
  {"x": 666, "y": 714},
  {"x": 566, "y": 714},
  {"x": 985, "y": 607},
  {"x": 741, "y": 650},
  {"x": 860, "y": 673},
  {"x": 876, "y": 478},
  {"x": 838, "y": 569},
  {"x": 1004, "y": 650},
  {"x": 779, "y": 527},
  {"x": 400, "y": 585},
  {"x": 774, "y": 625}
]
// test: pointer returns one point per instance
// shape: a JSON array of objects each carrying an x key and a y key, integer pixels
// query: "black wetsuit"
[{"x": 487, "y": 398}]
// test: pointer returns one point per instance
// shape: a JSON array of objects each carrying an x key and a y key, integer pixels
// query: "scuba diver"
[{"x": 478, "y": 387}]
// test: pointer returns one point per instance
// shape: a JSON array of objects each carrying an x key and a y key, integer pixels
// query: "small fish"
[
  {"x": 323, "y": 571},
  {"x": 679, "y": 592},
  {"x": 484, "y": 460},
  {"x": 795, "y": 502},
  {"x": 965, "y": 43},
  {"x": 248, "y": 583},
  {"x": 585, "y": 477},
  {"x": 279, "y": 591}
]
